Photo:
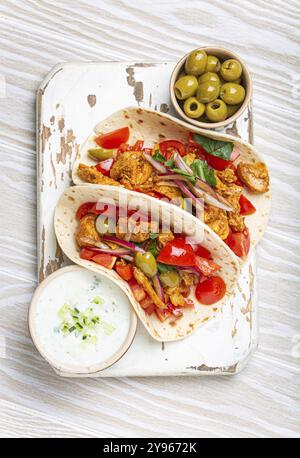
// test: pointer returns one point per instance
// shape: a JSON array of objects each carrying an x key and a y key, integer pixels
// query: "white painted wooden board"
[
  {"x": 264, "y": 399},
  {"x": 71, "y": 100}
]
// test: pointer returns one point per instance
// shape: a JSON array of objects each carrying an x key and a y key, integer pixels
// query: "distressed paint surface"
[{"x": 71, "y": 100}]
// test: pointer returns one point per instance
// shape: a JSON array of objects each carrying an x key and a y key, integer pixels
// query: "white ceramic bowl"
[{"x": 60, "y": 366}]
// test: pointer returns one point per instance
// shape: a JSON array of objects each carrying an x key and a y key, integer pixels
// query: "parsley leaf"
[
  {"x": 215, "y": 147},
  {"x": 164, "y": 267},
  {"x": 153, "y": 248},
  {"x": 190, "y": 177}
]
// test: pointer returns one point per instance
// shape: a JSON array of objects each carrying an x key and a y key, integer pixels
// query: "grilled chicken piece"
[
  {"x": 87, "y": 234},
  {"x": 91, "y": 175},
  {"x": 254, "y": 176},
  {"x": 188, "y": 278},
  {"x": 217, "y": 220},
  {"x": 227, "y": 176},
  {"x": 164, "y": 237},
  {"x": 146, "y": 284},
  {"x": 236, "y": 222},
  {"x": 131, "y": 169},
  {"x": 135, "y": 231},
  {"x": 169, "y": 191}
]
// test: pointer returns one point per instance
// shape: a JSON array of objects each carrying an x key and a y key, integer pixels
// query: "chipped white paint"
[{"x": 71, "y": 100}]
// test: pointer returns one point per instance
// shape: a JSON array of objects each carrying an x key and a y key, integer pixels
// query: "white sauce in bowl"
[{"x": 78, "y": 290}]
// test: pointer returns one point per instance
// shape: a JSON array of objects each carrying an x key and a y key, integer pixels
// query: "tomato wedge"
[
  {"x": 138, "y": 146},
  {"x": 105, "y": 166},
  {"x": 239, "y": 242},
  {"x": 87, "y": 254},
  {"x": 177, "y": 253},
  {"x": 105, "y": 260},
  {"x": 150, "y": 309},
  {"x": 210, "y": 290},
  {"x": 206, "y": 266},
  {"x": 246, "y": 207},
  {"x": 145, "y": 303},
  {"x": 203, "y": 252},
  {"x": 168, "y": 147},
  {"x": 113, "y": 139},
  {"x": 124, "y": 270},
  {"x": 84, "y": 209},
  {"x": 217, "y": 163}
]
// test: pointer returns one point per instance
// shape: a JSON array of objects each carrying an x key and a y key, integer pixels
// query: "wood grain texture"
[{"x": 261, "y": 401}]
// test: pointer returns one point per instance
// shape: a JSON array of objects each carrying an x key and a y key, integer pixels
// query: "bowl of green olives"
[{"x": 210, "y": 87}]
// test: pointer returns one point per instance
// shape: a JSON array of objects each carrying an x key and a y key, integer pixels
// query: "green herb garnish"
[
  {"x": 215, "y": 147},
  {"x": 158, "y": 156},
  {"x": 202, "y": 170},
  {"x": 164, "y": 267},
  {"x": 187, "y": 175}
]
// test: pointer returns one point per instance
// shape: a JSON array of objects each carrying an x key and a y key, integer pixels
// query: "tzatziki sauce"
[{"x": 80, "y": 319}]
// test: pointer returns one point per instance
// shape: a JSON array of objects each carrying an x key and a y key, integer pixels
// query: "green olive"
[
  {"x": 100, "y": 153},
  {"x": 207, "y": 92},
  {"x": 193, "y": 108},
  {"x": 196, "y": 62},
  {"x": 231, "y": 69},
  {"x": 209, "y": 77},
  {"x": 213, "y": 64},
  {"x": 185, "y": 87},
  {"x": 232, "y": 93},
  {"x": 231, "y": 109},
  {"x": 170, "y": 279},
  {"x": 147, "y": 263},
  {"x": 216, "y": 111}
]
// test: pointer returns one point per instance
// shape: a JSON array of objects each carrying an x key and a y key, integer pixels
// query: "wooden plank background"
[{"x": 264, "y": 399}]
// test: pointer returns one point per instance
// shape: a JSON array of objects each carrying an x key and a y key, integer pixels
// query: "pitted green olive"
[
  {"x": 216, "y": 111},
  {"x": 100, "y": 154},
  {"x": 170, "y": 279},
  {"x": 213, "y": 64},
  {"x": 195, "y": 63},
  {"x": 185, "y": 87},
  {"x": 193, "y": 108},
  {"x": 207, "y": 92},
  {"x": 147, "y": 263},
  {"x": 231, "y": 69},
  {"x": 232, "y": 93},
  {"x": 209, "y": 77}
]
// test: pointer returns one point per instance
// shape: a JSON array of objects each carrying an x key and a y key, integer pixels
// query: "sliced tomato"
[
  {"x": 113, "y": 139},
  {"x": 168, "y": 147},
  {"x": 87, "y": 254},
  {"x": 105, "y": 260},
  {"x": 210, "y": 291},
  {"x": 145, "y": 303},
  {"x": 105, "y": 166},
  {"x": 138, "y": 146},
  {"x": 177, "y": 253},
  {"x": 246, "y": 207},
  {"x": 217, "y": 163},
  {"x": 137, "y": 290},
  {"x": 150, "y": 309},
  {"x": 84, "y": 209},
  {"x": 239, "y": 242},
  {"x": 203, "y": 252},
  {"x": 206, "y": 266},
  {"x": 124, "y": 270}
]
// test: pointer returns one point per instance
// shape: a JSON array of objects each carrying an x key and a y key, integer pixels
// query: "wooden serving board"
[{"x": 70, "y": 101}]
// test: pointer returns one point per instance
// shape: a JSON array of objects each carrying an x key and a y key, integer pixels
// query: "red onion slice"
[
  {"x": 157, "y": 165},
  {"x": 158, "y": 288},
  {"x": 128, "y": 245}
]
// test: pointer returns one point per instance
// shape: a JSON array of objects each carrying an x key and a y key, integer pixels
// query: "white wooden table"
[{"x": 264, "y": 399}]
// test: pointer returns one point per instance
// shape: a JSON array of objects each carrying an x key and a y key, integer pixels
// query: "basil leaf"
[
  {"x": 164, "y": 267},
  {"x": 215, "y": 147},
  {"x": 202, "y": 170},
  {"x": 158, "y": 156},
  {"x": 191, "y": 178}
]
